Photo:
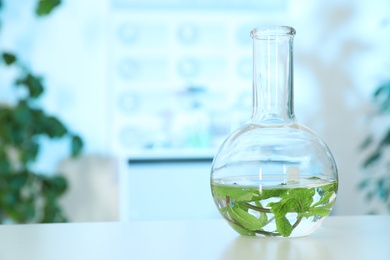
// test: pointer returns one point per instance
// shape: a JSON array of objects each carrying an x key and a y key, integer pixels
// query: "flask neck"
[{"x": 273, "y": 75}]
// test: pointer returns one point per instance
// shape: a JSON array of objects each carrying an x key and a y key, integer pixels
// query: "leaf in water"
[
  {"x": 280, "y": 210},
  {"x": 303, "y": 198},
  {"x": 330, "y": 205},
  {"x": 246, "y": 219},
  {"x": 236, "y": 194},
  {"x": 331, "y": 187},
  {"x": 283, "y": 226},
  {"x": 271, "y": 193},
  {"x": 324, "y": 199}
]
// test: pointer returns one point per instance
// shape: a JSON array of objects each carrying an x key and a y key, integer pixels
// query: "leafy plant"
[
  {"x": 26, "y": 195},
  {"x": 376, "y": 183},
  {"x": 250, "y": 211}
]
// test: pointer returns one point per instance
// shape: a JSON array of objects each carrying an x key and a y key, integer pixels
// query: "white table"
[{"x": 347, "y": 237}]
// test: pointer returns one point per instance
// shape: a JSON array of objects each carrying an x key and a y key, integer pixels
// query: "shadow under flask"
[{"x": 273, "y": 177}]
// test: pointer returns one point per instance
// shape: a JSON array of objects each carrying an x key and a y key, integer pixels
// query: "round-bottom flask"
[{"x": 274, "y": 177}]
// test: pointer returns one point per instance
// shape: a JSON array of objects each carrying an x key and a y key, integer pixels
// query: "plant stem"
[{"x": 256, "y": 208}]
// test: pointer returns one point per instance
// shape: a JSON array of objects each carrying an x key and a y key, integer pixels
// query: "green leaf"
[
  {"x": 366, "y": 143},
  {"x": 303, "y": 197},
  {"x": 5, "y": 165},
  {"x": 246, "y": 219},
  {"x": 25, "y": 210},
  {"x": 272, "y": 193},
  {"x": 23, "y": 115},
  {"x": 17, "y": 181},
  {"x": 364, "y": 184},
  {"x": 283, "y": 226},
  {"x": 324, "y": 199},
  {"x": 55, "y": 185},
  {"x": 29, "y": 151},
  {"x": 45, "y": 7},
  {"x": 382, "y": 190},
  {"x": 10, "y": 198},
  {"x": 330, "y": 205},
  {"x": 8, "y": 58},
  {"x": 382, "y": 97},
  {"x": 386, "y": 140},
  {"x": 32, "y": 83},
  {"x": 297, "y": 200},
  {"x": 52, "y": 214},
  {"x": 373, "y": 158},
  {"x": 76, "y": 145},
  {"x": 235, "y": 194},
  {"x": 54, "y": 127},
  {"x": 331, "y": 187}
]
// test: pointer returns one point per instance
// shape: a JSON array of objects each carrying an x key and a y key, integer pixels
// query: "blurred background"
[{"x": 154, "y": 87}]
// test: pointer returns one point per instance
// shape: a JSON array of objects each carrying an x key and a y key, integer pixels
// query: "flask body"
[{"x": 274, "y": 177}]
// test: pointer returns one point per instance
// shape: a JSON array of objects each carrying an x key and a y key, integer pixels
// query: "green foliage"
[
  {"x": 246, "y": 214},
  {"x": 28, "y": 196},
  {"x": 376, "y": 185},
  {"x": 382, "y": 98}
]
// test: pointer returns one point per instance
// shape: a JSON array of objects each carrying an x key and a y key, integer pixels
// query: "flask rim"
[{"x": 266, "y": 32}]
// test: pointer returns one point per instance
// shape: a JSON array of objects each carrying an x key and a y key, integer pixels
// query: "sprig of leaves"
[
  {"x": 245, "y": 213},
  {"x": 26, "y": 195}
]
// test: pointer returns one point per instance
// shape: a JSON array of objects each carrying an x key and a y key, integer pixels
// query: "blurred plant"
[
  {"x": 28, "y": 196},
  {"x": 376, "y": 184}
]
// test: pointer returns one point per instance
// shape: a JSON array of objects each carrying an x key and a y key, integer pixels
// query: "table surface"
[{"x": 340, "y": 237}]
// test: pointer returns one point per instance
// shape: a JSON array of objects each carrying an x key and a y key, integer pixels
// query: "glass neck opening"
[{"x": 273, "y": 75}]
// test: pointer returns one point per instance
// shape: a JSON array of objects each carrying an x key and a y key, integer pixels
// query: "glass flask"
[{"x": 274, "y": 177}]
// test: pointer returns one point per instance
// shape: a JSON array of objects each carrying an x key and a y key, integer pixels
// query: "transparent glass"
[{"x": 274, "y": 177}]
